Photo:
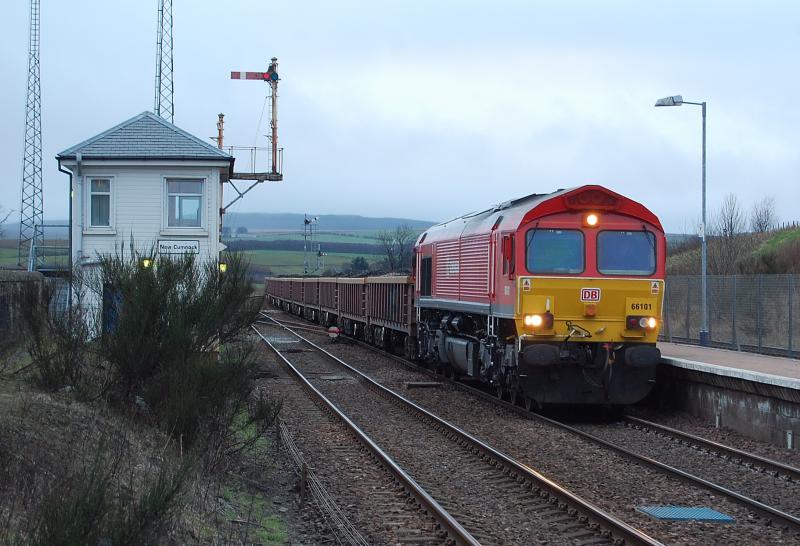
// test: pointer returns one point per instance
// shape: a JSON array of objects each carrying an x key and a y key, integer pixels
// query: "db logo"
[{"x": 590, "y": 294}]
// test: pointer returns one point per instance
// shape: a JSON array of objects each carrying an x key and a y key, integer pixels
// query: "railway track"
[
  {"x": 496, "y": 499},
  {"x": 334, "y": 434},
  {"x": 646, "y": 455},
  {"x": 784, "y": 519},
  {"x": 750, "y": 460}
]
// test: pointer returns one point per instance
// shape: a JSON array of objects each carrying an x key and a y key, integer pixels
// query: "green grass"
[
  {"x": 52, "y": 256},
  {"x": 290, "y": 262},
  {"x": 269, "y": 528},
  {"x": 8, "y": 257},
  {"x": 779, "y": 239},
  {"x": 246, "y": 432}
]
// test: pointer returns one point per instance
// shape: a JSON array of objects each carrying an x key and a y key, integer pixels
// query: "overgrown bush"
[
  {"x": 170, "y": 345},
  {"x": 166, "y": 323},
  {"x": 171, "y": 334},
  {"x": 89, "y": 507},
  {"x": 170, "y": 312},
  {"x": 57, "y": 343}
]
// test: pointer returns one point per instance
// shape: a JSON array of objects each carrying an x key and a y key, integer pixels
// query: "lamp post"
[{"x": 677, "y": 100}]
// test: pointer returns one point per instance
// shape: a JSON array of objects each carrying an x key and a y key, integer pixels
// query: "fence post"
[
  {"x": 758, "y": 312},
  {"x": 688, "y": 303},
  {"x": 710, "y": 305},
  {"x": 790, "y": 298},
  {"x": 733, "y": 315},
  {"x": 666, "y": 311}
]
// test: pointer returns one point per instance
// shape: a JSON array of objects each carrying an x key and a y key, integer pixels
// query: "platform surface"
[{"x": 773, "y": 370}]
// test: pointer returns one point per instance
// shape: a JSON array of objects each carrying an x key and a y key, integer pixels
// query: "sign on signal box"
[{"x": 590, "y": 294}]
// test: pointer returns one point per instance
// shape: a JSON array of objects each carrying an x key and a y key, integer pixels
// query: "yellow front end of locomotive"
[{"x": 593, "y": 310}]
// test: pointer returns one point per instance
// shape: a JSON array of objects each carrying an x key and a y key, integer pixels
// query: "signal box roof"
[{"x": 145, "y": 137}]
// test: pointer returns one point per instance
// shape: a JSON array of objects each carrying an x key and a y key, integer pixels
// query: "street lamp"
[{"x": 677, "y": 100}]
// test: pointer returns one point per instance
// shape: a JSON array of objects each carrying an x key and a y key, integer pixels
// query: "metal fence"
[{"x": 758, "y": 313}]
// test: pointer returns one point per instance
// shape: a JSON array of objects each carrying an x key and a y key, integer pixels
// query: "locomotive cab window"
[
  {"x": 626, "y": 253},
  {"x": 558, "y": 251}
]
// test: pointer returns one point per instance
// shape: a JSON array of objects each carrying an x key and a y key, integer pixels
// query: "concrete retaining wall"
[{"x": 759, "y": 406}]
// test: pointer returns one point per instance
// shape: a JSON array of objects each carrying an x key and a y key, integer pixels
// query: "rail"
[
  {"x": 763, "y": 462},
  {"x": 618, "y": 527}
]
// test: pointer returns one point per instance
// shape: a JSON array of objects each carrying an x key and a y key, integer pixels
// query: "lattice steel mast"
[
  {"x": 31, "y": 209},
  {"x": 165, "y": 90}
]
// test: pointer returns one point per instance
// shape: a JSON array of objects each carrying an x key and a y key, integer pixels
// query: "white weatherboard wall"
[
  {"x": 139, "y": 209},
  {"x": 138, "y": 156}
]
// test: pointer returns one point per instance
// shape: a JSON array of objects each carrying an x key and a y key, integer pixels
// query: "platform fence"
[{"x": 759, "y": 313}]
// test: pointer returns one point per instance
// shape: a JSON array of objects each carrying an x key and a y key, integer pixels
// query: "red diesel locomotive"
[
  {"x": 553, "y": 298},
  {"x": 549, "y": 299}
]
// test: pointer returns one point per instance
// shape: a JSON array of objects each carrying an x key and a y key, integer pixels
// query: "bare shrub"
[
  {"x": 762, "y": 215},
  {"x": 727, "y": 243},
  {"x": 398, "y": 247}
]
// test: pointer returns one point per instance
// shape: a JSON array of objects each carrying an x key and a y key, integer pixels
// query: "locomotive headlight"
[
  {"x": 648, "y": 322},
  {"x": 543, "y": 321},
  {"x": 592, "y": 219},
  {"x": 533, "y": 320}
]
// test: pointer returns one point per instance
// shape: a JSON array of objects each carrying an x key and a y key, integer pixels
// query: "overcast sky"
[{"x": 429, "y": 109}]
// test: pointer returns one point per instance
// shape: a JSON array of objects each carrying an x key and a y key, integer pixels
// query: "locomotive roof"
[{"x": 509, "y": 215}]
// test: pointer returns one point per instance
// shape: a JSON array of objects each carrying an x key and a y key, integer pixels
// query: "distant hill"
[
  {"x": 11, "y": 229},
  {"x": 270, "y": 221},
  {"x": 326, "y": 222}
]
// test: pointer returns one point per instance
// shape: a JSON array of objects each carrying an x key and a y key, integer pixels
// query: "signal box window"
[
  {"x": 626, "y": 253},
  {"x": 184, "y": 202},
  {"x": 100, "y": 202},
  {"x": 554, "y": 251},
  {"x": 426, "y": 276}
]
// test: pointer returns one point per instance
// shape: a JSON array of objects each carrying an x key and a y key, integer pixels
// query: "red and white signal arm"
[{"x": 590, "y": 294}]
